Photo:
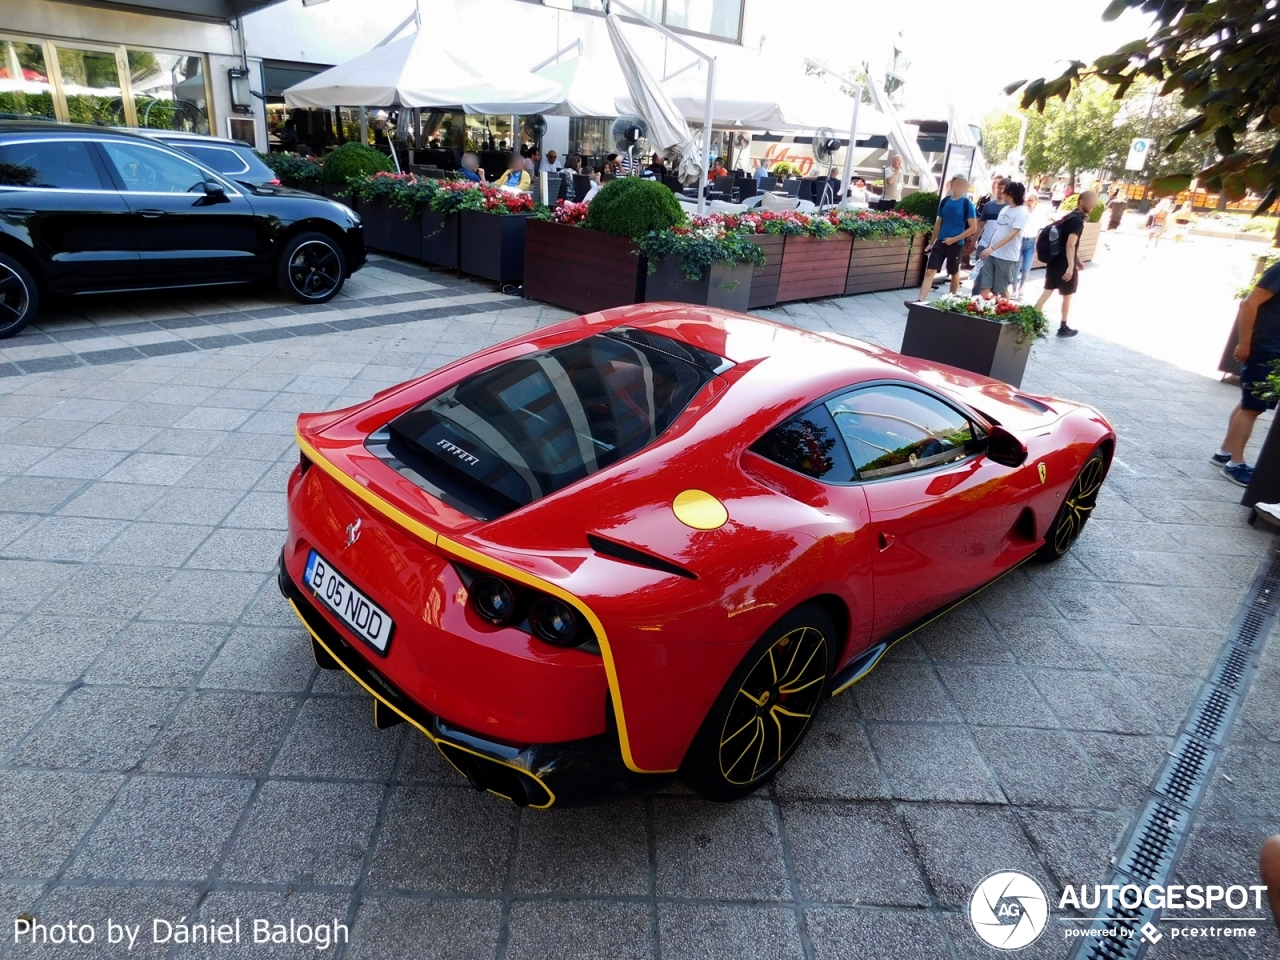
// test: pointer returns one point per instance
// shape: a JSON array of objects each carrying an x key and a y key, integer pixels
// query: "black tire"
[
  {"x": 312, "y": 268},
  {"x": 19, "y": 296},
  {"x": 1076, "y": 508},
  {"x": 765, "y": 709}
]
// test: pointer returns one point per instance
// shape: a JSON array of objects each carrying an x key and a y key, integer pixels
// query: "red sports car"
[{"x": 649, "y": 542}]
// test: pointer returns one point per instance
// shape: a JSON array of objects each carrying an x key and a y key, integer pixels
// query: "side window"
[
  {"x": 893, "y": 430},
  {"x": 808, "y": 443},
  {"x": 61, "y": 164},
  {"x": 147, "y": 170},
  {"x": 222, "y": 159}
]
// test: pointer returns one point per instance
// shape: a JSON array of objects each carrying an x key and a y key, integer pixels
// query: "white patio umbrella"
[
  {"x": 421, "y": 71},
  {"x": 900, "y": 138},
  {"x": 589, "y": 86},
  {"x": 668, "y": 130}
]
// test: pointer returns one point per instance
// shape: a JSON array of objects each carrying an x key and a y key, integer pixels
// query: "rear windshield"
[
  {"x": 230, "y": 161},
  {"x": 526, "y": 428}
]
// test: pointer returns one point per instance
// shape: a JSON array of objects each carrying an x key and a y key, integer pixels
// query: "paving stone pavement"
[{"x": 168, "y": 749}]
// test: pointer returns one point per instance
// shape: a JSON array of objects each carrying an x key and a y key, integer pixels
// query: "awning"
[
  {"x": 422, "y": 71},
  {"x": 222, "y": 11}
]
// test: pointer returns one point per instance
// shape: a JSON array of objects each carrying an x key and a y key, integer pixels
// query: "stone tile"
[
  {"x": 1075, "y": 845},
  {"x": 222, "y": 733},
  {"x": 203, "y": 596},
  {"x": 37, "y": 494},
  {"x": 121, "y": 501},
  {"x": 449, "y": 839},
  {"x": 317, "y": 909},
  {"x": 1166, "y": 698},
  {"x": 579, "y": 930},
  {"x": 157, "y": 654},
  {"x": 991, "y": 695},
  {"x": 54, "y": 648},
  {"x": 12, "y": 526},
  {"x": 44, "y": 816},
  {"x": 193, "y": 505},
  {"x": 25, "y": 704},
  {"x": 1180, "y": 606},
  {"x": 64, "y": 538},
  {"x": 106, "y": 728},
  {"x": 1093, "y": 701},
  {"x": 958, "y": 846},
  {"x": 933, "y": 762},
  {"x": 229, "y": 549},
  {"x": 963, "y": 638},
  {"x": 425, "y": 929},
  {"x": 719, "y": 851},
  {"x": 1051, "y": 945},
  {"x": 832, "y": 846},
  {"x": 92, "y": 590},
  {"x": 158, "y": 468},
  {"x": 593, "y": 850},
  {"x": 264, "y": 511},
  {"x": 305, "y": 833},
  {"x": 835, "y": 760},
  {"x": 336, "y": 738},
  {"x": 1129, "y": 763},
  {"x": 131, "y": 905},
  {"x": 903, "y": 692},
  {"x": 1042, "y": 768},
  {"x": 154, "y": 544},
  {"x": 711, "y": 932},
  {"x": 264, "y": 659},
  {"x": 163, "y": 828},
  {"x": 74, "y": 463},
  {"x": 885, "y": 935}
]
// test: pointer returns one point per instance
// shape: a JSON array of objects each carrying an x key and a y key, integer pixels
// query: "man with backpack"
[
  {"x": 956, "y": 221},
  {"x": 1057, "y": 247}
]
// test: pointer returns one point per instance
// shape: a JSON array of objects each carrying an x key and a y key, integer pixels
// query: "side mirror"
[
  {"x": 1004, "y": 448},
  {"x": 214, "y": 191}
]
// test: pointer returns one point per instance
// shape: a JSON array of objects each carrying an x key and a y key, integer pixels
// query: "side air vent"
[{"x": 620, "y": 551}]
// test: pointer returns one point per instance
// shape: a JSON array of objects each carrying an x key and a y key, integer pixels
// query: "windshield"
[{"x": 526, "y": 428}]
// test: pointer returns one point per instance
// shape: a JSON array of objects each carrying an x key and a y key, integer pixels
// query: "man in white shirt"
[
  {"x": 552, "y": 164},
  {"x": 892, "y": 184},
  {"x": 1000, "y": 259}
]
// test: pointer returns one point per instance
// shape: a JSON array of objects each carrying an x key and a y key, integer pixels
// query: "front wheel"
[
  {"x": 19, "y": 296},
  {"x": 1076, "y": 509},
  {"x": 312, "y": 268},
  {"x": 765, "y": 709}
]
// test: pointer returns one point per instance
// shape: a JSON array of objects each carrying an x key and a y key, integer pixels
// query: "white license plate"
[{"x": 365, "y": 618}]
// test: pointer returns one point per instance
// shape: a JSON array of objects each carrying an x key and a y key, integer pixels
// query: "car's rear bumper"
[{"x": 572, "y": 773}]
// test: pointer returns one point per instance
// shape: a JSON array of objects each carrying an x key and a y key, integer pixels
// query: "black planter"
[
  {"x": 373, "y": 215},
  {"x": 403, "y": 235},
  {"x": 492, "y": 246},
  {"x": 438, "y": 243},
  {"x": 331, "y": 190},
  {"x": 983, "y": 346},
  {"x": 723, "y": 285},
  {"x": 1265, "y": 486}
]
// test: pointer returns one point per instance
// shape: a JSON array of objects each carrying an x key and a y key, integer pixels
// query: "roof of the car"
[
  {"x": 186, "y": 137},
  {"x": 49, "y": 128}
]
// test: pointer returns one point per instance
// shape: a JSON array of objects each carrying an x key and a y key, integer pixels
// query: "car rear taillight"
[
  {"x": 274, "y": 183},
  {"x": 554, "y": 621},
  {"x": 506, "y": 604},
  {"x": 493, "y": 600}
]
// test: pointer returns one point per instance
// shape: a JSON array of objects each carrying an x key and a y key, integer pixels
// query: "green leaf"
[
  {"x": 1011, "y": 88},
  {"x": 1172, "y": 184},
  {"x": 1114, "y": 9},
  {"x": 1258, "y": 177},
  {"x": 1224, "y": 139},
  {"x": 1266, "y": 203},
  {"x": 1234, "y": 187}
]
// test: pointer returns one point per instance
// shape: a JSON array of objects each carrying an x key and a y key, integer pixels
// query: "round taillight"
[
  {"x": 554, "y": 621},
  {"x": 493, "y": 600}
]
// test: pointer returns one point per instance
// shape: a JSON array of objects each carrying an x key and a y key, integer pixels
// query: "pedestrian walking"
[
  {"x": 1258, "y": 347},
  {"x": 1057, "y": 247},
  {"x": 956, "y": 221},
  {"x": 988, "y": 214},
  {"x": 1000, "y": 266},
  {"x": 1058, "y": 194},
  {"x": 1037, "y": 220},
  {"x": 892, "y": 184},
  {"x": 1159, "y": 221},
  {"x": 1116, "y": 207},
  {"x": 1182, "y": 218}
]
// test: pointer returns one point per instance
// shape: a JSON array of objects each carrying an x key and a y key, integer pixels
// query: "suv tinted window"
[
  {"x": 63, "y": 164},
  {"x": 892, "y": 430},
  {"x": 148, "y": 170},
  {"x": 808, "y": 443},
  {"x": 230, "y": 161},
  {"x": 526, "y": 428}
]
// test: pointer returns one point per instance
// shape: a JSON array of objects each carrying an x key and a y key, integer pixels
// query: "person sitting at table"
[
  {"x": 717, "y": 170},
  {"x": 657, "y": 166},
  {"x": 470, "y": 169},
  {"x": 515, "y": 177},
  {"x": 858, "y": 193}
]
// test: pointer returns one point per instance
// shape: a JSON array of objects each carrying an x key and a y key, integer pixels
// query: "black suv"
[{"x": 88, "y": 210}]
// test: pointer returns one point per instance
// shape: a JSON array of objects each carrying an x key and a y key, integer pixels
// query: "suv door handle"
[
  {"x": 151, "y": 214},
  {"x": 886, "y": 541}
]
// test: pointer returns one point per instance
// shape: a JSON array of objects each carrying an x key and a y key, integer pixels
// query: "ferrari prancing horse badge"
[{"x": 1044, "y": 472}]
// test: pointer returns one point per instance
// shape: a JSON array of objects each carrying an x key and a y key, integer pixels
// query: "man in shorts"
[
  {"x": 956, "y": 221},
  {"x": 1000, "y": 258},
  {"x": 1062, "y": 273},
  {"x": 1258, "y": 348}
]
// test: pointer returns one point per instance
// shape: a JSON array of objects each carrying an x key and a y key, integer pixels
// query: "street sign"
[
  {"x": 1137, "y": 158},
  {"x": 958, "y": 161}
]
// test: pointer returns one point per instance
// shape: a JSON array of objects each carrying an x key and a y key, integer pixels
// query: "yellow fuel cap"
[{"x": 700, "y": 510}]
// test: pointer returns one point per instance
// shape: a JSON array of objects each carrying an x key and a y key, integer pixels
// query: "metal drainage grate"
[{"x": 1154, "y": 842}]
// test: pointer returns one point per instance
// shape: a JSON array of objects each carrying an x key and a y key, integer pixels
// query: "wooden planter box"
[
  {"x": 438, "y": 243},
  {"x": 727, "y": 286},
  {"x": 492, "y": 245},
  {"x": 878, "y": 265},
  {"x": 983, "y": 346},
  {"x": 917, "y": 260},
  {"x": 815, "y": 268},
  {"x": 581, "y": 270},
  {"x": 1088, "y": 244},
  {"x": 764, "y": 282}
]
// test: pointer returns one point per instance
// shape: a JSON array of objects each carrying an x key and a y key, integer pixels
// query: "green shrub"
[
  {"x": 1070, "y": 203},
  {"x": 1096, "y": 214},
  {"x": 919, "y": 204},
  {"x": 354, "y": 160},
  {"x": 632, "y": 207},
  {"x": 783, "y": 169},
  {"x": 291, "y": 168}
]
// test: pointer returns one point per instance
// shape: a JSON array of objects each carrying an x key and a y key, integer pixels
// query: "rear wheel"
[
  {"x": 1076, "y": 509},
  {"x": 312, "y": 268},
  {"x": 765, "y": 709},
  {"x": 19, "y": 296}
]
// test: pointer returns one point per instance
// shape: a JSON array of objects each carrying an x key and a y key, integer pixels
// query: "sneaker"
[
  {"x": 1221, "y": 459},
  {"x": 1272, "y": 510},
  {"x": 1241, "y": 474},
  {"x": 1065, "y": 331}
]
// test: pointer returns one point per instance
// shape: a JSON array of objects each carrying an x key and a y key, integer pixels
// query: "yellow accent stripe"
[
  {"x": 427, "y": 733},
  {"x": 497, "y": 566}
]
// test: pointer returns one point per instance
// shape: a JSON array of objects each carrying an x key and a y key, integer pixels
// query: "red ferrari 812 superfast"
[{"x": 650, "y": 542}]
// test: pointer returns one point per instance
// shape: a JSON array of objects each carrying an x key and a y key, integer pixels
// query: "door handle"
[
  {"x": 19, "y": 213},
  {"x": 886, "y": 541},
  {"x": 151, "y": 214}
]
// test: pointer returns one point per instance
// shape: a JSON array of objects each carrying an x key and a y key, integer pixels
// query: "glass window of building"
[
  {"x": 25, "y": 89},
  {"x": 91, "y": 85},
  {"x": 168, "y": 91},
  {"x": 715, "y": 18}
]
